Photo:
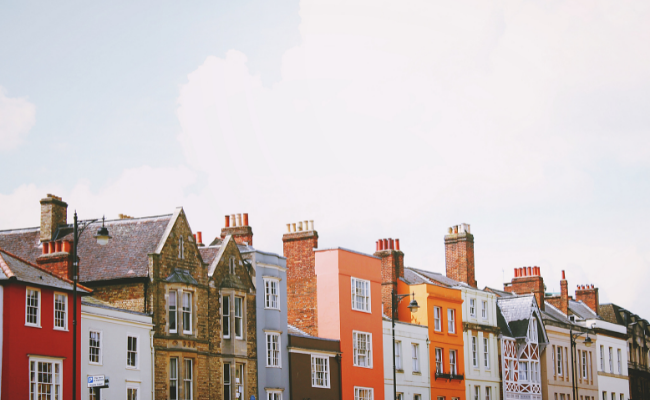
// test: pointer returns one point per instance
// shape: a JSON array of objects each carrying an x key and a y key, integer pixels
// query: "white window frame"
[
  {"x": 358, "y": 389},
  {"x": 453, "y": 367},
  {"x": 34, "y": 385},
  {"x": 437, "y": 318},
  {"x": 173, "y": 293},
  {"x": 239, "y": 319},
  {"x": 38, "y": 307},
  {"x": 484, "y": 309},
  {"x": 190, "y": 380},
  {"x": 398, "y": 355},
  {"x": 137, "y": 391},
  {"x": 184, "y": 311},
  {"x": 584, "y": 364},
  {"x": 101, "y": 347},
  {"x": 451, "y": 320},
  {"x": 325, "y": 372},
  {"x": 524, "y": 371},
  {"x": 415, "y": 357},
  {"x": 273, "y": 395},
  {"x": 365, "y": 298},
  {"x": 472, "y": 307},
  {"x": 137, "y": 351},
  {"x": 271, "y": 300},
  {"x": 417, "y": 396},
  {"x": 477, "y": 392},
  {"x": 65, "y": 311},
  {"x": 475, "y": 351},
  {"x": 225, "y": 317},
  {"x": 486, "y": 353},
  {"x": 532, "y": 330},
  {"x": 273, "y": 356},
  {"x": 620, "y": 365},
  {"x": 172, "y": 378},
  {"x": 559, "y": 360},
  {"x": 355, "y": 351},
  {"x": 611, "y": 361},
  {"x": 440, "y": 368},
  {"x": 488, "y": 393},
  {"x": 602, "y": 358}
]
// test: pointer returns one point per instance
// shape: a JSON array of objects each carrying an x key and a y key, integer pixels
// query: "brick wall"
[
  {"x": 588, "y": 295},
  {"x": 528, "y": 280},
  {"x": 241, "y": 234},
  {"x": 57, "y": 263},
  {"x": 459, "y": 255},
  {"x": 301, "y": 279},
  {"x": 392, "y": 268}
]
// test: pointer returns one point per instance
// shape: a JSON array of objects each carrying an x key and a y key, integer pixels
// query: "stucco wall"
[{"x": 408, "y": 382}]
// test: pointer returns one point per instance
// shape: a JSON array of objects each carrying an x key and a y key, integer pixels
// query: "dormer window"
[{"x": 532, "y": 330}]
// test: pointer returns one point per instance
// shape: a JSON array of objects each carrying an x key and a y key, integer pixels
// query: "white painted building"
[
  {"x": 611, "y": 356},
  {"x": 411, "y": 361},
  {"x": 118, "y": 344}
]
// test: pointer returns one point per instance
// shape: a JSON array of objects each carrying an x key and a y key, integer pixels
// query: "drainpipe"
[
  {"x": 153, "y": 362},
  {"x": 338, "y": 357}
]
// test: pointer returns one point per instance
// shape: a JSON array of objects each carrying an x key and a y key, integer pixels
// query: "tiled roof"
[
  {"x": 582, "y": 310},
  {"x": 125, "y": 256},
  {"x": 14, "y": 267},
  {"x": 553, "y": 313},
  {"x": 436, "y": 277},
  {"x": 95, "y": 302},
  {"x": 413, "y": 278},
  {"x": 498, "y": 292},
  {"x": 209, "y": 253}
]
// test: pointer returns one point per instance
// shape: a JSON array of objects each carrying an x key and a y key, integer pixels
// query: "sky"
[{"x": 376, "y": 119}]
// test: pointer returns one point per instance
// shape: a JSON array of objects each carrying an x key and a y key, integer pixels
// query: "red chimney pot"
[
  {"x": 246, "y": 220},
  {"x": 199, "y": 236},
  {"x": 530, "y": 271},
  {"x": 563, "y": 276},
  {"x": 227, "y": 221},
  {"x": 391, "y": 244},
  {"x": 396, "y": 244}
]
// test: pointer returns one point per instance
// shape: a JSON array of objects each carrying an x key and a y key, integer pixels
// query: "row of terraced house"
[{"x": 164, "y": 316}]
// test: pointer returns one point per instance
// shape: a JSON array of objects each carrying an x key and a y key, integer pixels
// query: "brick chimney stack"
[
  {"x": 561, "y": 302},
  {"x": 54, "y": 213},
  {"x": 392, "y": 268},
  {"x": 459, "y": 254},
  {"x": 299, "y": 243},
  {"x": 238, "y": 227},
  {"x": 528, "y": 280},
  {"x": 589, "y": 295}
]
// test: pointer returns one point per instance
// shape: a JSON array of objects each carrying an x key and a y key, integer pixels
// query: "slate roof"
[
  {"x": 435, "y": 277},
  {"x": 293, "y": 330},
  {"x": 581, "y": 310},
  {"x": 498, "y": 292},
  {"x": 514, "y": 314},
  {"x": 209, "y": 253},
  {"x": 181, "y": 276},
  {"x": 553, "y": 313},
  {"x": 14, "y": 267},
  {"x": 126, "y": 255},
  {"x": 611, "y": 313},
  {"x": 95, "y": 302}
]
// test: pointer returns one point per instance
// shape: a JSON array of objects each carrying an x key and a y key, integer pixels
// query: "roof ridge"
[
  {"x": 20, "y": 229},
  {"x": 44, "y": 270}
]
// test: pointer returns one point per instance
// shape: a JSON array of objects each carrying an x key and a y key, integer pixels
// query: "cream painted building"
[{"x": 411, "y": 361}]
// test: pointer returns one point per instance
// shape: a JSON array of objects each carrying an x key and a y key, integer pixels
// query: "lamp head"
[
  {"x": 413, "y": 305},
  {"x": 588, "y": 341},
  {"x": 102, "y": 235}
]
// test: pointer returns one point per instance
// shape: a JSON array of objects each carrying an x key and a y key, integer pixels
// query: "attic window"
[
  {"x": 231, "y": 266},
  {"x": 532, "y": 330},
  {"x": 181, "y": 248}
]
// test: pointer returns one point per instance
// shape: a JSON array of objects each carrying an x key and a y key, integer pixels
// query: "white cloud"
[{"x": 17, "y": 117}]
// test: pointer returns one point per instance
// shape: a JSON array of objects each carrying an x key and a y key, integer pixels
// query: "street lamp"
[
  {"x": 413, "y": 306},
  {"x": 588, "y": 342},
  {"x": 102, "y": 237}
]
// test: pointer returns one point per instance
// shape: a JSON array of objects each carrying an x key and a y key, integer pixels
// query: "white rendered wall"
[
  {"x": 115, "y": 326},
  {"x": 611, "y": 381},
  {"x": 1, "y": 330},
  {"x": 408, "y": 382},
  {"x": 480, "y": 375}
]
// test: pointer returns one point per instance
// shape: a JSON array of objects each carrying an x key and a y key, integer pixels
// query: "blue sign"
[{"x": 252, "y": 397}]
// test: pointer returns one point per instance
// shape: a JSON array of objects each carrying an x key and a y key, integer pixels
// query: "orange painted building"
[
  {"x": 349, "y": 310},
  {"x": 440, "y": 310}
]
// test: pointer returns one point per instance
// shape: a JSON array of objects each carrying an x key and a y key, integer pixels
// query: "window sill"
[
  {"x": 272, "y": 309},
  {"x": 94, "y": 363},
  {"x": 417, "y": 373},
  {"x": 399, "y": 370},
  {"x": 61, "y": 329},
  {"x": 274, "y": 366},
  {"x": 363, "y": 311},
  {"x": 361, "y": 366},
  {"x": 33, "y": 326},
  {"x": 132, "y": 368},
  {"x": 320, "y": 387}
]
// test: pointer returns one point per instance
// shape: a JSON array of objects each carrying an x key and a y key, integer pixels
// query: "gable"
[{"x": 229, "y": 269}]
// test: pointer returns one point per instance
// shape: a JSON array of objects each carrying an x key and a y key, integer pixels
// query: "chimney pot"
[
  {"x": 455, "y": 228},
  {"x": 530, "y": 271},
  {"x": 239, "y": 220},
  {"x": 376, "y": 245},
  {"x": 381, "y": 244},
  {"x": 233, "y": 220},
  {"x": 563, "y": 275},
  {"x": 516, "y": 272},
  {"x": 385, "y": 244},
  {"x": 300, "y": 225},
  {"x": 227, "y": 221},
  {"x": 396, "y": 244},
  {"x": 306, "y": 225},
  {"x": 293, "y": 226},
  {"x": 58, "y": 246},
  {"x": 288, "y": 228},
  {"x": 450, "y": 230},
  {"x": 45, "y": 246},
  {"x": 311, "y": 224},
  {"x": 245, "y": 219},
  {"x": 391, "y": 244},
  {"x": 592, "y": 285},
  {"x": 199, "y": 236}
]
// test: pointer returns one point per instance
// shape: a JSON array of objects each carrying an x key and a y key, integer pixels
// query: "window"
[
  {"x": 45, "y": 379},
  {"x": 93, "y": 394},
  {"x": 398, "y": 355},
  {"x": 95, "y": 347},
  {"x": 272, "y": 294},
  {"x": 225, "y": 316},
  {"x": 239, "y": 381},
  {"x": 239, "y": 317},
  {"x": 181, "y": 247},
  {"x": 620, "y": 365},
  {"x": 226, "y": 381},
  {"x": 173, "y": 378},
  {"x": 415, "y": 354},
  {"x": 273, "y": 395},
  {"x": 362, "y": 393},
  {"x": 360, "y": 295},
  {"x": 474, "y": 351},
  {"x": 484, "y": 313},
  {"x": 472, "y": 307},
  {"x": 320, "y": 371},
  {"x": 439, "y": 361},
  {"x": 187, "y": 312},
  {"x": 602, "y": 358},
  {"x": 362, "y": 350},
  {"x": 172, "y": 312},
  {"x": 231, "y": 265},
  {"x": 451, "y": 321},
  {"x": 273, "y": 350},
  {"x": 488, "y": 393},
  {"x": 486, "y": 353},
  {"x": 613, "y": 396},
  {"x": 534, "y": 370},
  {"x": 60, "y": 311},
  {"x": 131, "y": 393},
  {"x": 187, "y": 380},
  {"x": 417, "y": 397},
  {"x": 436, "y": 318},
  {"x": 33, "y": 307},
  {"x": 611, "y": 361},
  {"x": 532, "y": 330},
  {"x": 400, "y": 396},
  {"x": 452, "y": 362},
  {"x": 132, "y": 351},
  {"x": 523, "y": 371},
  {"x": 584, "y": 365},
  {"x": 559, "y": 360},
  {"x": 604, "y": 395}
]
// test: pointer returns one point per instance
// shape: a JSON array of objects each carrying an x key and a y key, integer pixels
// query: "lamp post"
[
  {"x": 413, "y": 306},
  {"x": 587, "y": 343},
  {"x": 102, "y": 237}
]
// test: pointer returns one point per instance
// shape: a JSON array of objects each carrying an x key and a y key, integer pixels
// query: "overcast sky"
[{"x": 528, "y": 120}]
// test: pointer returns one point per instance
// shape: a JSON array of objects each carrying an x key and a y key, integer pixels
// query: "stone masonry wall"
[
  {"x": 54, "y": 212},
  {"x": 127, "y": 296},
  {"x": 301, "y": 280}
]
